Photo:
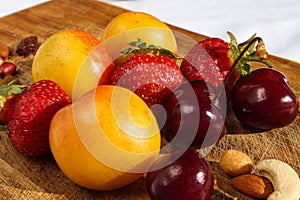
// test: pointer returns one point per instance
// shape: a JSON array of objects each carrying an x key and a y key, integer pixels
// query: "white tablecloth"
[{"x": 277, "y": 22}]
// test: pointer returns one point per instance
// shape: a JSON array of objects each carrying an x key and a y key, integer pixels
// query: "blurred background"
[{"x": 277, "y": 22}]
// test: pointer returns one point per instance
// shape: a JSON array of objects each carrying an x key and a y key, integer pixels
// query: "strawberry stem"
[
  {"x": 140, "y": 46},
  {"x": 7, "y": 90},
  {"x": 11, "y": 88},
  {"x": 259, "y": 56}
]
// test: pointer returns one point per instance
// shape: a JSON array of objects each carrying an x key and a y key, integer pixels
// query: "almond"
[
  {"x": 252, "y": 185},
  {"x": 235, "y": 163}
]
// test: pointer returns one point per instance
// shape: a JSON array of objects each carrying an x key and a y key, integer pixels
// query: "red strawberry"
[
  {"x": 212, "y": 59},
  {"x": 8, "y": 94},
  {"x": 203, "y": 63},
  {"x": 218, "y": 49},
  {"x": 6, "y": 112},
  {"x": 151, "y": 76},
  {"x": 31, "y": 114},
  {"x": 209, "y": 60}
]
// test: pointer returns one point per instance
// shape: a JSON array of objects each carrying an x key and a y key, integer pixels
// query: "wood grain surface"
[{"x": 40, "y": 178}]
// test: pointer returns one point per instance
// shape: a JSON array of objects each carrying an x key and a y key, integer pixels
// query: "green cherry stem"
[{"x": 261, "y": 56}]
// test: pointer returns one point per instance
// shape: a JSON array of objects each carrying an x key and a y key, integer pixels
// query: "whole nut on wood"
[
  {"x": 235, "y": 163},
  {"x": 7, "y": 68},
  {"x": 4, "y": 50},
  {"x": 284, "y": 178},
  {"x": 1, "y": 61},
  {"x": 253, "y": 185}
]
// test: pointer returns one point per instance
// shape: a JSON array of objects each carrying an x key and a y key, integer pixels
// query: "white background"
[{"x": 276, "y": 21}]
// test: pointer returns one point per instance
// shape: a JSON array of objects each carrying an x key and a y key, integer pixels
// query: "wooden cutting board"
[{"x": 40, "y": 178}]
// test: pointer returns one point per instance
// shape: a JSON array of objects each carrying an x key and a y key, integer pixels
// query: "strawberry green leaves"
[
  {"x": 140, "y": 46},
  {"x": 11, "y": 88}
]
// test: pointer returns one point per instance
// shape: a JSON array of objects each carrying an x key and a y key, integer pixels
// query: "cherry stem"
[{"x": 263, "y": 56}]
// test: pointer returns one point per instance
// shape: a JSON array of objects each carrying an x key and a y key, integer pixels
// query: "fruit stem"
[
  {"x": 261, "y": 56},
  {"x": 140, "y": 46}
]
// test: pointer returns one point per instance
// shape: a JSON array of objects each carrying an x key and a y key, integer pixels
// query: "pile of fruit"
[{"x": 129, "y": 105}]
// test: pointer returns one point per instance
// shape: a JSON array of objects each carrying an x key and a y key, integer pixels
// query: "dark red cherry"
[
  {"x": 192, "y": 118},
  {"x": 188, "y": 177},
  {"x": 264, "y": 100}
]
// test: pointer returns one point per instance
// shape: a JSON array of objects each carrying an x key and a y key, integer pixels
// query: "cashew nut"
[{"x": 285, "y": 180}]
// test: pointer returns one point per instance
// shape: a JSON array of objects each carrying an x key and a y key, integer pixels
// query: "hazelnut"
[
  {"x": 4, "y": 50},
  {"x": 1, "y": 61}
]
